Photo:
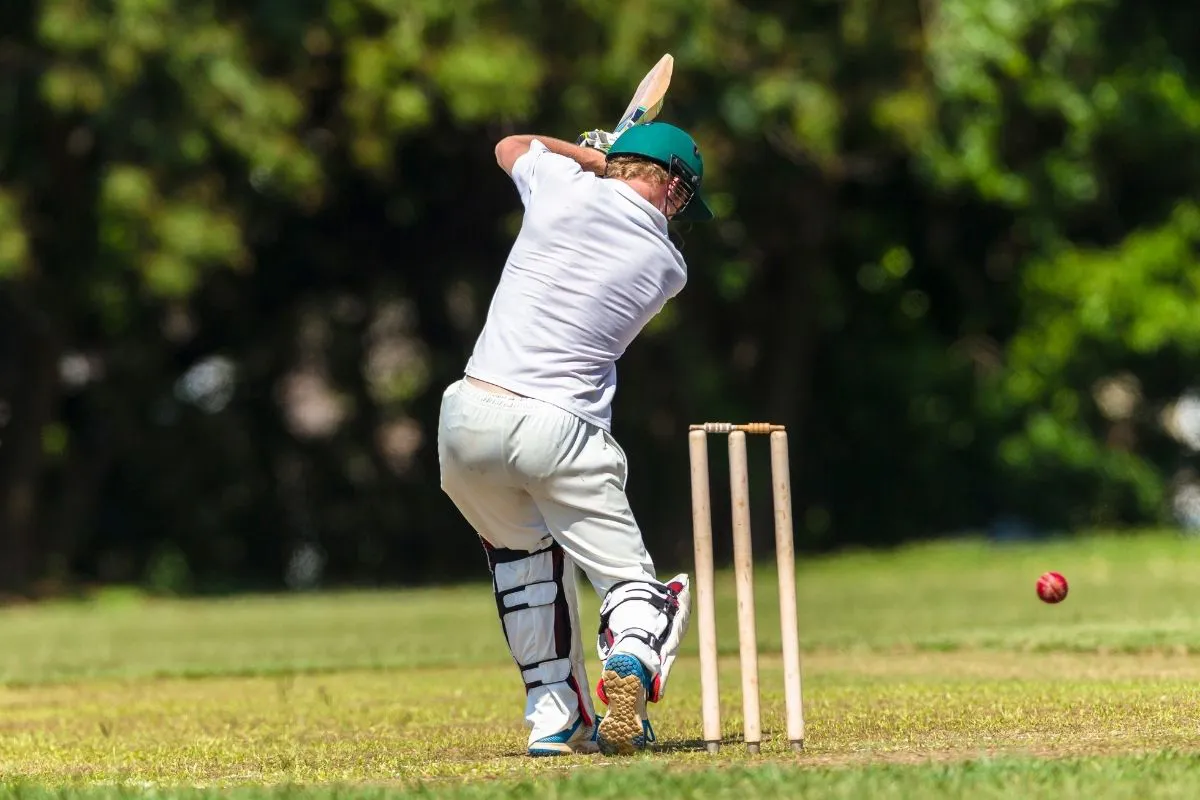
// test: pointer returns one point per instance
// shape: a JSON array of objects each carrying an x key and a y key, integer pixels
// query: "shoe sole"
[
  {"x": 552, "y": 751},
  {"x": 621, "y": 731}
]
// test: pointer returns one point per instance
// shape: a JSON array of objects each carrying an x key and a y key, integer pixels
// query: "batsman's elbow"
[{"x": 508, "y": 150}]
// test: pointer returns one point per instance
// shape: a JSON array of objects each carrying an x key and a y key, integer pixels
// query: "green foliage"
[
  {"x": 986, "y": 71},
  {"x": 940, "y": 227},
  {"x": 1143, "y": 295},
  {"x": 1138, "y": 298},
  {"x": 14, "y": 244},
  {"x": 168, "y": 242}
]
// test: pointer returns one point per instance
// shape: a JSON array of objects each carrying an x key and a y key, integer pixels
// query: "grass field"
[{"x": 932, "y": 671}]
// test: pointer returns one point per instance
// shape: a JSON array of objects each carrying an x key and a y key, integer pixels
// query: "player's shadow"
[
  {"x": 689, "y": 745},
  {"x": 675, "y": 746}
]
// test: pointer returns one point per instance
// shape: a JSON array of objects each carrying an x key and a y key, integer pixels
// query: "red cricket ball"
[{"x": 1052, "y": 587}]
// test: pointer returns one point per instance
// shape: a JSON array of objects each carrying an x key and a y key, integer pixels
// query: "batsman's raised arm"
[{"x": 510, "y": 148}]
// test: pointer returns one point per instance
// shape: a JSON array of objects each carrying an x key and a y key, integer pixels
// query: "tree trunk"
[{"x": 32, "y": 400}]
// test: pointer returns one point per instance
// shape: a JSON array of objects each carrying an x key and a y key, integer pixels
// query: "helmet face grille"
[{"x": 689, "y": 180}]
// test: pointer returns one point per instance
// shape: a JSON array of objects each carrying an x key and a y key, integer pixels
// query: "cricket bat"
[{"x": 647, "y": 101}]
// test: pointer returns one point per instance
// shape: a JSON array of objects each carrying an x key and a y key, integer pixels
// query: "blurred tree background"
[{"x": 245, "y": 246}]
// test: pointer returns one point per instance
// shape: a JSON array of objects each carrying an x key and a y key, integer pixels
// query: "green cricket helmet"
[{"x": 677, "y": 152}]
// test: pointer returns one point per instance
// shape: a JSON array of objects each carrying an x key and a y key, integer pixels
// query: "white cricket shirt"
[{"x": 590, "y": 267}]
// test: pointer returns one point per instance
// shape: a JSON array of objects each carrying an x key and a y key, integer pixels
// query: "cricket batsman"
[{"x": 524, "y": 437}]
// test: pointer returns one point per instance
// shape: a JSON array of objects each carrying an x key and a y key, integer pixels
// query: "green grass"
[
  {"x": 930, "y": 671},
  {"x": 1165, "y": 775}
]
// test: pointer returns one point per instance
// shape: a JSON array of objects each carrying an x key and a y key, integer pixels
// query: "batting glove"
[{"x": 597, "y": 140}]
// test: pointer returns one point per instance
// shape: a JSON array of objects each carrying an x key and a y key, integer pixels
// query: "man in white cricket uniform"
[{"x": 525, "y": 443}]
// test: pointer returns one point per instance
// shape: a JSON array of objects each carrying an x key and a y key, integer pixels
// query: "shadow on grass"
[
  {"x": 691, "y": 745},
  {"x": 674, "y": 746},
  {"x": 684, "y": 746}
]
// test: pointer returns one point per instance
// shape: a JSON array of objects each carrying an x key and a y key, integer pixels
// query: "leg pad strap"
[{"x": 534, "y": 612}]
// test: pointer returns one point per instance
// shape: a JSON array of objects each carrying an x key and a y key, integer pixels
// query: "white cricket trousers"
[
  {"x": 524, "y": 474},
  {"x": 521, "y": 471}
]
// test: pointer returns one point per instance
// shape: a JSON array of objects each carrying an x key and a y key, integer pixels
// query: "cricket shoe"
[
  {"x": 623, "y": 687},
  {"x": 579, "y": 739}
]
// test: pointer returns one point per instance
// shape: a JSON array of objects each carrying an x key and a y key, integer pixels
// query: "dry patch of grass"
[
  {"x": 403, "y": 727},
  {"x": 933, "y": 670}
]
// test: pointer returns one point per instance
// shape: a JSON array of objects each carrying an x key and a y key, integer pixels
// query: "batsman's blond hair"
[{"x": 631, "y": 167}]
